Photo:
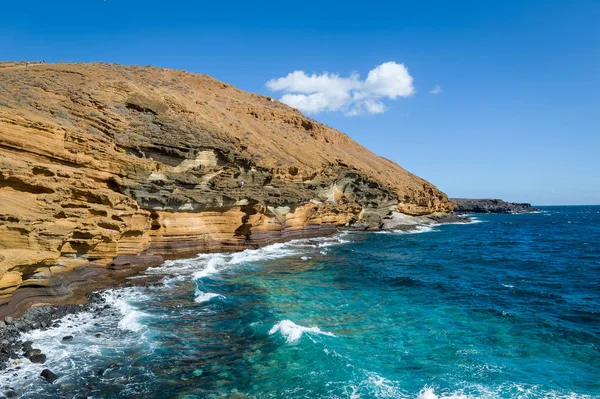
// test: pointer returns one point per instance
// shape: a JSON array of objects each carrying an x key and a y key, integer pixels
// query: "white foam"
[
  {"x": 515, "y": 390},
  {"x": 205, "y": 265},
  {"x": 429, "y": 393},
  {"x": 417, "y": 230},
  {"x": 474, "y": 220},
  {"x": 216, "y": 260},
  {"x": 131, "y": 315},
  {"x": 338, "y": 239},
  {"x": 272, "y": 251},
  {"x": 293, "y": 332},
  {"x": 375, "y": 385},
  {"x": 76, "y": 356},
  {"x": 201, "y": 297}
]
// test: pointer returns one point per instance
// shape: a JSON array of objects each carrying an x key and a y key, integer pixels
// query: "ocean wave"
[
  {"x": 216, "y": 260},
  {"x": 429, "y": 393},
  {"x": 419, "y": 229},
  {"x": 428, "y": 228},
  {"x": 512, "y": 390},
  {"x": 272, "y": 251},
  {"x": 205, "y": 265},
  {"x": 201, "y": 297},
  {"x": 293, "y": 332},
  {"x": 119, "y": 299},
  {"x": 375, "y": 385}
]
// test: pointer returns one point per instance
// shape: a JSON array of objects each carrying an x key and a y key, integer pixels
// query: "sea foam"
[
  {"x": 201, "y": 297},
  {"x": 429, "y": 393},
  {"x": 131, "y": 315},
  {"x": 293, "y": 332},
  {"x": 216, "y": 261}
]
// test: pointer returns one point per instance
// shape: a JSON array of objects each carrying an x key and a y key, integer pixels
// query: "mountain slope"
[{"x": 105, "y": 169}]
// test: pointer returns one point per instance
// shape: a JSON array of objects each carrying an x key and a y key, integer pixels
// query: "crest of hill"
[{"x": 178, "y": 109}]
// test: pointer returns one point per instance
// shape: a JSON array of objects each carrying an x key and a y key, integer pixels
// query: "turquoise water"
[{"x": 507, "y": 307}]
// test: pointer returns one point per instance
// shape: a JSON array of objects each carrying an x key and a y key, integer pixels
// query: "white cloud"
[
  {"x": 436, "y": 90},
  {"x": 353, "y": 96}
]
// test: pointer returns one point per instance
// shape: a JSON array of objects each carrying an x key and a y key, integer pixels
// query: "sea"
[{"x": 507, "y": 306}]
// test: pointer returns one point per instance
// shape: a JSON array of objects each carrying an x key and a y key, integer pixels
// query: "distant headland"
[{"x": 468, "y": 205}]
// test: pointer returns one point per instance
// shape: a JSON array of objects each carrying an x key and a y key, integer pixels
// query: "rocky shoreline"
[
  {"x": 469, "y": 205},
  {"x": 37, "y": 317},
  {"x": 13, "y": 350}
]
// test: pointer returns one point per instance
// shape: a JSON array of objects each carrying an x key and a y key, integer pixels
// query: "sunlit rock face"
[{"x": 106, "y": 170}]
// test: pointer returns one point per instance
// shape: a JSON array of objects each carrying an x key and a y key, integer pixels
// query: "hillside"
[{"x": 106, "y": 169}]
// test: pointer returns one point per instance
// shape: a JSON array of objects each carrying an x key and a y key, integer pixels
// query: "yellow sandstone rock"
[{"x": 107, "y": 169}]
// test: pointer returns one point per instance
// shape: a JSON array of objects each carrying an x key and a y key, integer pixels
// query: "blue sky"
[{"x": 518, "y": 116}]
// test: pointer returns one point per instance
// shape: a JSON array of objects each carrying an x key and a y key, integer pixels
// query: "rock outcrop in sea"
[
  {"x": 108, "y": 169},
  {"x": 466, "y": 206}
]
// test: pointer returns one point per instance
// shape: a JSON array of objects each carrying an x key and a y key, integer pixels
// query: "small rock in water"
[
  {"x": 49, "y": 376},
  {"x": 8, "y": 320},
  {"x": 97, "y": 335},
  {"x": 67, "y": 338},
  {"x": 32, "y": 352},
  {"x": 41, "y": 359},
  {"x": 11, "y": 394}
]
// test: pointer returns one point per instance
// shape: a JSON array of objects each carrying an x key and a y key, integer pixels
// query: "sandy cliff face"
[{"x": 105, "y": 169}]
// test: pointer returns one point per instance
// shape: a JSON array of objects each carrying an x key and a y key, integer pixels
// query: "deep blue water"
[{"x": 505, "y": 308}]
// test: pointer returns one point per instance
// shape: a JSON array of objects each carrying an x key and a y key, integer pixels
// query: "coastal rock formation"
[
  {"x": 107, "y": 169},
  {"x": 466, "y": 205}
]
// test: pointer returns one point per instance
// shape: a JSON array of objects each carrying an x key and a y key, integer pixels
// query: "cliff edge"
[{"x": 108, "y": 169}]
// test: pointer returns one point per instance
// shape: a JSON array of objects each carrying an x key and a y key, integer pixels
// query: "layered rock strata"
[{"x": 107, "y": 169}]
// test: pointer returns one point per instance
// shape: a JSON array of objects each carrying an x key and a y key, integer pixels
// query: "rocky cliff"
[
  {"x": 107, "y": 169},
  {"x": 467, "y": 205}
]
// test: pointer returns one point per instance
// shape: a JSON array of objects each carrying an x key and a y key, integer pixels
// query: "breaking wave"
[
  {"x": 293, "y": 332},
  {"x": 201, "y": 297}
]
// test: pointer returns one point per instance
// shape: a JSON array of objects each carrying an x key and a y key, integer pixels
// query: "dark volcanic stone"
[
  {"x": 49, "y": 376},
  {"x": 67, "y": 338},
  {"x": 11, "y": 346},
  {"x": 32, "y": 352},
  {"x": 11, "y": 394},
  {"x": 41, "y": 359}
]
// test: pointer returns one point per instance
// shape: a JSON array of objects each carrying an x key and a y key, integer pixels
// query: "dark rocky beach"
[{"x": 37, "y": 317}]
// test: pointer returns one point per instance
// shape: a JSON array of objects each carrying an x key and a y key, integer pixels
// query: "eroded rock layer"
[{"x": 106, "y": 169}]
